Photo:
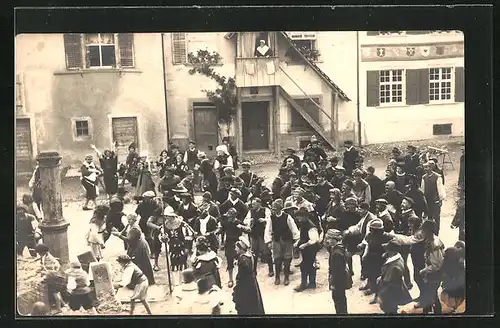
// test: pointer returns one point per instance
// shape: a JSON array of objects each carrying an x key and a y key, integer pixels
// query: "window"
[
  {"x": 391, "y": 86},
  {"x": 306, "y": 43},
  {"x": 441, "y": 129},
  {"x": 254, "y": 90},
  {"x": 179, "y": 52},
  {"x": 100, "y": 50},
  {"x": 82, "y": 128},
  {"x": 440, "y": 84}
]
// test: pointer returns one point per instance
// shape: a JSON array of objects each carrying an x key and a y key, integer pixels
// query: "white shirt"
[
  {"x": 203, "y": 225},
  {"x": 262, "y": 49},
  {"x": 440, "y": 187},
  {"x": 268, "y": 231},
  {"x": 393, "y": 258}
]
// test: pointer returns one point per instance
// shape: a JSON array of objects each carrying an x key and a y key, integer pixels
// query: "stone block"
[
  {"x": 85, "y": 259},
  {"x": 103, "y": 280}
]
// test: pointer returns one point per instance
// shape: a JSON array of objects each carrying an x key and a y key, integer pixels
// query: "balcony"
[{"x": 257, "y": 71}]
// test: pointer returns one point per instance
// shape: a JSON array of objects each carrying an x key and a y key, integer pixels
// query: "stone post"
[{"x": 54, "y": 227}]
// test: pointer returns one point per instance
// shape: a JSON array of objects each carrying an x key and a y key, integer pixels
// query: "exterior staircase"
[{"x": 317, "y": 127}]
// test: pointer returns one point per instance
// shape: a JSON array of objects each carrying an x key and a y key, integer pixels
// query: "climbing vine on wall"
[{"x": 224, "y": 95}]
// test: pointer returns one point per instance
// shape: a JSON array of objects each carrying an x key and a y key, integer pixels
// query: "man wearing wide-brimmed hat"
[
  {"x": 339, "y": 277},
  {"x": 391, "y": 289},
  {"x": 308, "y": 245},
  {"x": 279, "y": 234}
]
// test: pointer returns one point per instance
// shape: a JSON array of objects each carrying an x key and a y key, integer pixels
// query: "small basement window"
[
  {"x": 441, "y": 129},
  {"x": 82, "y": 128},
  {"x": 254, "y": 90}
]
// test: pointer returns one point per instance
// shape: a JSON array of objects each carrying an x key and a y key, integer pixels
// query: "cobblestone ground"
[{"x": 277, "y": 299}]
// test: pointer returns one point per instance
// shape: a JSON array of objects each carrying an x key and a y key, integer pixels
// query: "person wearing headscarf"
[
  {"x": 133, "y": 278},
  {"x": 205, "y": 262},
  {"x": 232, "y": 152},
  {"x": 222, "y": 160},
  {"x": 90, "y": 173},
  {"x": 262, "y": 50},
  {"x": 209, "y": 179},
  {"x": 109, "y": 165},
  {"x": 308, "y": 246},
  {"x": 391, "y": 289},
  {"x": 144, "y": 181},
  {"x": 79, "y": 290},
  {"x": 246, "y": 294},
  {"x": 25, "y": 231},
  {"x": 257, "y": 219},
  {"x": 339, "y": 277},
  {"x": 97, "y": 229}
]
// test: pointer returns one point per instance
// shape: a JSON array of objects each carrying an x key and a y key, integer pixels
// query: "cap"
[
  {"x": 207, "y": 195},
  {"x": 339, "y": 168},
  {"x": 124, "y": 258},
  {"x": 410, "y": 200},
  {"x": 333, "y": 234},
  {"x": 302, "y": 212},
  {"x": 169, "y": 211},
  {"x": 351, "y": 201},
  {"x": 376, "y": 224},
  {"x": 392, "y": 245},
  {"x": 235, "y": 191},
  {"x": 149, "y": 193},
  {"x": 231, "y": 212},
  {"x": 382, "y": 201},
  {"x": 348, "y": 142},
  {"x": 243, "y": 243},
  {"x": 245, "y": 164},
  {"x": 277, "y": 204},
  {"x": 192, "y": 142}
]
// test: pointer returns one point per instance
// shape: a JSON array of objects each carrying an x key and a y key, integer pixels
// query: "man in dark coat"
[
  {"x": 461, "y": 172},
  {"x": 434, "y": 193},
  {"x": 459, "y": 218},
  {"x": 339, "y": 278},
  {"x": 330, "y": 169},
  {"x": 290, "y": 153},
  {"x": 393, "y": 197},
  {"x": 315, "y": 151},
  {"x": 412, "y": 160},
  {"x": 391, "y": 290},
  {"x": 339, "y": 177},
  {"x": 376, "y": 186},
  {"x": 308, "y": 246},
  {"x": 351, "y": 155},
  {"x": 412, "y": 191},
  {"x": 322, "y": 189},
  {"x": 287, "y": 189},
  {"x": 279, "y": 182}
]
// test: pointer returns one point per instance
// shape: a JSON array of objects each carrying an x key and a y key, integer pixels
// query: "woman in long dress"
[
  {"x": 144, "y": 181},
  {"x": 109, "y": 165},
  {"x": 206, "y": 263},
  {"x": 246, "y": 293},
  {"x": 97, "y": 229}
]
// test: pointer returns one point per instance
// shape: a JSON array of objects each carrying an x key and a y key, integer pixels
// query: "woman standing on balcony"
[{"x": 263, "y": 50}]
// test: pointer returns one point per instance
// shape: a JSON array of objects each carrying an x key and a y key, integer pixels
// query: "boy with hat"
[
  {"x": 308, "y": 245},
  {"x": 280, "y": 234},
  {"x": 383, "y": 213},
  {"x": 206, "y": 224},
  {"x": 339, "y": 177},
  {"x": 233, "y": 201},
  {"x": 391, "y": 289},
  {"x": 351, "y": 155},
  {"x": 339, "y": 277},
  {"x": 133, "y": 278},
  {"x": 234, "y": 227}
]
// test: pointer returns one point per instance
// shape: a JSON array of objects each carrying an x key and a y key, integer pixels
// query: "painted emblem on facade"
[
  {"x": 380, "y": 52},
  {"x": 410, "y": 51},
  {"x": 425, "y": 51}
]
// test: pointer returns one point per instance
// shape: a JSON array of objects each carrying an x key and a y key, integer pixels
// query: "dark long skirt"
[
  {"x": 246, "y": 294},
  {"x": 140, "y": 253},
  {"x": 111, "y": 183},
  {"x": 90, "y": 188}
]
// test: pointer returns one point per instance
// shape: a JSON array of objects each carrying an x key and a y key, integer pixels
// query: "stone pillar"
[{"x": 54, "y": 227}]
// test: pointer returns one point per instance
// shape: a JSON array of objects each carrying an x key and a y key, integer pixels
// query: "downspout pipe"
[
  {"x": 357, "y": 89},
  {"x": 164, "y": 71}
]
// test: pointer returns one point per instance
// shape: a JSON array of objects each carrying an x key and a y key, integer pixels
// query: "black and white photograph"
[{"x": 240, "y": 173}]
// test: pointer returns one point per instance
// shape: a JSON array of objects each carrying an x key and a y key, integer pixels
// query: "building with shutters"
[
  {"x": 282, "y": 100},
  {"x": 411, "y": 85},
  {"x": 74, "y": 90}
]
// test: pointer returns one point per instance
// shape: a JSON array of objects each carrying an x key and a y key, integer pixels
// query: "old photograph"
[{"x": 240, "y": 173}]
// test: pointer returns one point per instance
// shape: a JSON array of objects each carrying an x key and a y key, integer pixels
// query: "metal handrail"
[{"x": 317, "y": 105}]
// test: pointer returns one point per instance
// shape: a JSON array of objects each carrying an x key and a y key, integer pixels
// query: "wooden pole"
[
  {"x": 239, "y": 123},
  {"x": 277, "y": 121},
  {"x": 54, "y": 227}
]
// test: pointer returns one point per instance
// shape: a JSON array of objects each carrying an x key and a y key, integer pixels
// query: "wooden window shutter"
[
  {"x": 179, "y": 52},
  {"x": 424, "y": 86},
  {"x": 459, "y": 84},
  {"x": 372, "y": 88},
  {"x": 371, "y": 33},
  {"x": 73, "y": 50},
  {"x": 126, "y": 48},
  {"x": 412, "y": 86}
]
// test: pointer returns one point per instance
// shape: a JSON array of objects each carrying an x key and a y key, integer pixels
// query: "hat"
[
  {"x": 245, "y": 164},
  {"x": 235, "y": 191},
  {"x": 382, "y": 201},
  {"x": 302, "y": 212},
  {"x": 376, "y": 224},
  {"x": 290, "y": 160},
  {"x": 299, "y": 191},
  {"x": 221, "y": 148},
  {"x": 357, "y": 172},
  {"x": 231, "y": 212},
  {"x": 41, "y": 248},
  {"x": 180, "y": 189},
  {"x": 169, "y": 211},
  {"x": 201, "y": 154},
  {"x": 89, "y": 157},
  {"x": 21, "y": 206},
  {"x": 392, "y": 245},
  {"x": 173, "y": 222},
  {"x": 348, "y": 142},
  {"x": 351, "y": 201},
  {"x": 333, "y": 234},
  {"x": 149, "y": 193},
  {"x": 314, "y": 139},
  {"x": 207, "y": 195},
  {"x": 277, "y": 204},
  {"x": 429, "y": 225},
  {"x": 290, "y": 150},
  {"x": 124, "y": 258},
  {"x": 185, "y": 195},
  {"x": 243, "y": 243},
  {"x": 290, "y": 205},
  {"x": 228, "y": 169},
  {"x": 192, "y": 142},
  {"x": 257, "y": 199},
  {"x": 410, "y": 200},
  {"x": 339, "y": 168}
]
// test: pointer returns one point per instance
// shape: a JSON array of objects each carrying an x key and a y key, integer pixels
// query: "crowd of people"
[{"x": 313, "y": 203}]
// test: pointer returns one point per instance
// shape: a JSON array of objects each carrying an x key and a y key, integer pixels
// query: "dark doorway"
[
  {"x": 206, "y": 127},
  {"x": 255, "y": 122},
  {"x": 24, "y": 149},
  {"x": 125, "y": 132}
]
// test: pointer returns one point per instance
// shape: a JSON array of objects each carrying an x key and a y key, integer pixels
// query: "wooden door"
[
  {"x": 206, "y": 127},
  {"x": 124, "y": 133},
  {"x": 24, "y": 149},
  {"x": 255, "y": 122}
]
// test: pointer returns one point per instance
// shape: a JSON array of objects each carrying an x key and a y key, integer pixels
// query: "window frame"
[
  {"x": 403, "y": 88},
  {"x": 440, "y": 81},
  {"x": 185, "y": 61},
  {"x": 75, "y": 135},
  {"x": 100, "y": 46},
  {"x": 299, "y": 98}
]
